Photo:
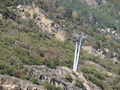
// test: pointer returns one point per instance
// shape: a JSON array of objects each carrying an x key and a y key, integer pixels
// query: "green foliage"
[
  {"x": 100, "y": 79},
  {"x": 34, "y": 15},
  {"x": 5, "y": 12},
  {"x": 8, "y": 13},
  {"x": 25, "y": 76},
  {"x": 90, "y": 20},
  {"x": 100, "y": 83},
  {"x": 5, "y": 68},
  {"x": 74, "y": 74},
  {"x": 91, "y": 70},
  {"x": 79, "y": 83},
  {"x": 68, "y": 77},
  {"x": 22, "y": 2},
  {"x": 34, "y": 80},
  {"x": 21, "y": 42},
  {"x": 6, "y": 2},
  {"x": 52, "y": 63},
  {"x": 51, "y": 87},
  {"x": 30, "y": 47}
]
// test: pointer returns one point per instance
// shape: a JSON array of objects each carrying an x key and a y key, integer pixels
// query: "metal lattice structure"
[{"x": 77, "y": 50}]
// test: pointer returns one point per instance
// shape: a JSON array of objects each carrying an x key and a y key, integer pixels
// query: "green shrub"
[
  {"x": 34, "y": 80},
  {"x": 52, "y": 63},
  {"x": 51, "y": 87},
  {"x": 74, "y": 74},
  {"x": 79, "y": 83},
  {"x": 25, "y": 75},
  {"x": 5, "y": 68},
  {"x": 100, "y": 83},
  {"x": 68, "y": 77},
  {"x": 34, "y": 15},
  {"x": 88, "y": 69}
]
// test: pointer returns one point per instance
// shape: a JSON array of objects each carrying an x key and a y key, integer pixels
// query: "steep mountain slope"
[{"x": 28, "y": 33}]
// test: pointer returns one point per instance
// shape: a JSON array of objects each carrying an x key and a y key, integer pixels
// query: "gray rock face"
[
  {"x": 62, "y": 77},
  {"x": 12, "y": 83}
]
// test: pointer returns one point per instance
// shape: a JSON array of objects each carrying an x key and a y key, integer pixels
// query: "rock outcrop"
[
  {"x": 50, "y": 26},
  {"x": 94, "y": 52},
  {"x": 29, "y": 9},
  {"x": 12, "y": 83},
  {"x": 62, "y": 76},
  {"x": 45, "y": 24}
]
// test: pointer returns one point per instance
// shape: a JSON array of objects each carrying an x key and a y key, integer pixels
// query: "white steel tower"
[{"x": 77, "y": 50}]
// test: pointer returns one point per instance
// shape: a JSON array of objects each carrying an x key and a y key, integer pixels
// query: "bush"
[
  {"x": 52, "y": 63},
  {"x": 34, "y": 81},
  {"x": 51, "y": 87},
  {"x": 100, "y": 83},
  {"x": 88, "y": 69},
  {"x": 68, "y": 77},
  {"x": 34, "y": 15},
  {"x": 5, "y": 68},
  {"x": 79, "y": 83},
  {"x": 25, "y": 75}
]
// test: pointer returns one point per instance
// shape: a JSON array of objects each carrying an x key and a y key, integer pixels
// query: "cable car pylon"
[{"x": 77, "y": 50}]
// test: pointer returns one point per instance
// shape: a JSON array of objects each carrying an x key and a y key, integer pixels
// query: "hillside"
[{"x": 37, "y": 44}]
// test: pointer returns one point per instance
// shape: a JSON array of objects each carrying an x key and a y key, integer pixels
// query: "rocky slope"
[
  {"x": 61, "y": 76},
  {"x": 12, "y": 83},
  {"x": 45, "y": 24}
]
